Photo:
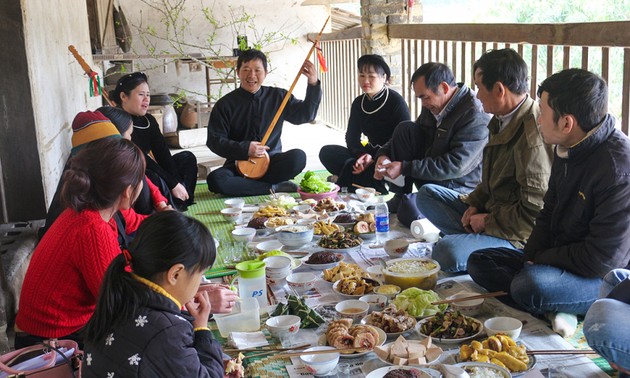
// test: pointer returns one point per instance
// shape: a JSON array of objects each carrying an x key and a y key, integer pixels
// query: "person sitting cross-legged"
[
  {"x": 500, "y": 211},
  {"x": 582, "y": 232}
]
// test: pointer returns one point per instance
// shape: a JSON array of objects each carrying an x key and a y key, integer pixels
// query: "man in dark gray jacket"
[
  {"x": 443, "y": 146},
  {"x": 582, "y": 231}
]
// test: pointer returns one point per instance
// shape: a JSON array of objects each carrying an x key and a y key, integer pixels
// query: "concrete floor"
[{"x": 307, "y": 137}]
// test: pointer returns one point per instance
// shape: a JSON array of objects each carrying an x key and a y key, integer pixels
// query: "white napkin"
[
  {"x": 398, "y": 181},
  {"x": 242, "y": 340}
]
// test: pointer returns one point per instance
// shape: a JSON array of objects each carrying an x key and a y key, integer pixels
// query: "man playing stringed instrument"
[{"x": 240, "y": 119}]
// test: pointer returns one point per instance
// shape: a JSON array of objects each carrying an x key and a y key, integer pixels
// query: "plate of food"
[
  {"x": 404, "y": 352},
  {"x": 325, "y": 227},
  {"x": 393, "y": 321},
  {"x": 460, "y": 327},
  {"x": 484, "y": 369},
  {"x": 346, "y": 220},
  {"x": 322, "y": 260},
  {"x": 343, "y": 270},
  {"x": 342, "y": 334},
  {"x": 355, "y": 287},
  {"x": 403, "y": 371},
  {"x": 340, "y": 241},
  {"x": 499, "y": 350}
]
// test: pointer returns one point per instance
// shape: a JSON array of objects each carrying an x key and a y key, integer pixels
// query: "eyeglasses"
[{"x": 132, "y": 76}]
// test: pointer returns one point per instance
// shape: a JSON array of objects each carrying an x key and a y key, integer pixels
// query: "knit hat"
[
  {"x": 90, "y": 126},
  {"x": 376, "y": 61}
]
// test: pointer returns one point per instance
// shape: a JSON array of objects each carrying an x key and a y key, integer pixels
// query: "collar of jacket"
[
  {"x": 528, "y": 111},
  {"x": 592, "y": 140},
  {"x": 427, "y": 119},
  {"x": 157, "y": 288},
  {"x": 248, "y": 95}
]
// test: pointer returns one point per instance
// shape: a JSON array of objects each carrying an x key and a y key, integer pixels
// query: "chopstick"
[
  {"x": 567, "y": 351},
  {"x": 303, "y": 353},
  {"x": 270, "y": 348},
  {"x": 480, "y": 296},
  {"x": 364, "y": 187}
]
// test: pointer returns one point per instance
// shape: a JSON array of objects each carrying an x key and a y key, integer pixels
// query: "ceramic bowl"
[
  {"x": 319, "y": 196},
  {"x": 283, "y": 325},
  {"x": 295, "y": 235},
  {"x": 244, "y": 234},
  {"x": 269, "y": 245},
  {"x": 504, "y": 325},
  {"x": 396, "y": 248},
  {"x": 301, "y": 208},
  {"x": 236, "y": 203},
  {"x": 390, "y": 291},
  {"x": 377, "y": 302},
  {"x": 277, "y": 267},
  {"x": 320, "y": 364},
  {"x": 231, "y": 214},
  {"x": 352, "y": 309},
  {"x": 301, "y": 282},
  {"x": 365, "y": 194},
  {"x": 375, "y": 271},
  {"x": 469, "y": 308}
]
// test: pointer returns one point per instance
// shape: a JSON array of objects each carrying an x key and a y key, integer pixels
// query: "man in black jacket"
[
  {"x": 240, "y": 119},
  {"x": 443, "y": 146},
  {"x": 582, "y": 231}
]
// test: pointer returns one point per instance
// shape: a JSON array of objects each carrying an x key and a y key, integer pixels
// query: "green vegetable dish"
[
  {"x": 417, "y": 302},
  {"x": 313, "y": 184}
]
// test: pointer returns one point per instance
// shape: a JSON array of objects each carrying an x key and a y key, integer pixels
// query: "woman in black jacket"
[{"x": 138, "y": 328}]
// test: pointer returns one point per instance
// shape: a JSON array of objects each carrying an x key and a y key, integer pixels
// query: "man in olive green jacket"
[{"x": 501, "y": 211}]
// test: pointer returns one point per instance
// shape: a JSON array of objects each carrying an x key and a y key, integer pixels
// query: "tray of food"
[
  {"x": 342, "y": 334},
  {"x": 450, "y": 327}
]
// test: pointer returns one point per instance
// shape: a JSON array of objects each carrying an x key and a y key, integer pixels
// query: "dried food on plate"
[
  {"x": 408, "y": 352},
  {"x": 340, "y": 240},
  {"x": 323, "y": 257},
  {"x": 500, "y": 350},
  {"x": 391, "y": 320},
  {"x": 329, "y": 205},
  {"x": 343, "y": 270},
  {"x": 270, "y": 211},
  {"x": 257, "y": 223},
  {"x": 451, "y": 325},
  {"x": 355, "y": 285},
  {"x": 325, "y": 227},
  {"x": 345, "y": 218},
  {"x": 274, "y": 222},
  {"x": 341, "y": 334}
]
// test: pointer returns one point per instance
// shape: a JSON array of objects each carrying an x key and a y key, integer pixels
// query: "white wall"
[
  {"x": 59, "y": 88},
  {"x": 285, "y": 15}
]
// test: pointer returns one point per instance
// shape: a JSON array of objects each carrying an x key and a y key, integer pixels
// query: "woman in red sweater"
[{"x": 65, "y": 273}]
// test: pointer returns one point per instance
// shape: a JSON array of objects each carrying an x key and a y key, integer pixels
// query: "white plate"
[
  {"x": 352, "y": 296},
  {"x": 505, "y": 372},
  {"x": 408, "y": 341},
  {"x": 392, "y": 334},
  {"x": 426, "y": 372},
  {"x": 342, "y": 250},
  {"x": 381, "y": 340},
  {"x": 450, "y": 341},
  {"x": 530, "y": 364},
  {"x": 340, "y": 256},
  {"x": 367, "y": 236}
]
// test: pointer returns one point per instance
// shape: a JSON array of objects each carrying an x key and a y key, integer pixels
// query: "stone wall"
[{"x": 376, "y": 15}]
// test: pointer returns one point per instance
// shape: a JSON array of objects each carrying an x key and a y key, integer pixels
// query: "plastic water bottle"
[{"x": 381, "y": 214}]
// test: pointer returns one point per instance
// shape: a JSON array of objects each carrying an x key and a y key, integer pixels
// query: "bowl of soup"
[
  {"x": 417, "y": 272},
  {"x": 352, "y": 309}
]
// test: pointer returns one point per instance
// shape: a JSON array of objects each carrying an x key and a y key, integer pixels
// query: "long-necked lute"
[{"x": 256, "y": 167}]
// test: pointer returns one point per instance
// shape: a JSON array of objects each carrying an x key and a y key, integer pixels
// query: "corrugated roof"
[{"x": 343, "y": 19}]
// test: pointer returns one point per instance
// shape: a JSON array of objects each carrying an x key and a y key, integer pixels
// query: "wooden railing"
[{"x": 602, "y": 47}]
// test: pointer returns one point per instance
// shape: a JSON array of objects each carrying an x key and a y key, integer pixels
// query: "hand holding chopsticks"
[{"x": 480, "y": 296}]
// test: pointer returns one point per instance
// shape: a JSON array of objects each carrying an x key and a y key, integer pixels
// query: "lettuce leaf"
[
  {"x": 417, "y": 302},
  {"x": 313, "y": 184}
]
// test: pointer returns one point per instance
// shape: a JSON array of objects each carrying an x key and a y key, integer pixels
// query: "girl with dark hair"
[
  {"x": 375, "y": 114},
  {"x": 138, "y": 328},
  {"x": 65, "y": 273},
  {"x": 151, "y": 198},
  {"x": 179, "y": 171}
]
